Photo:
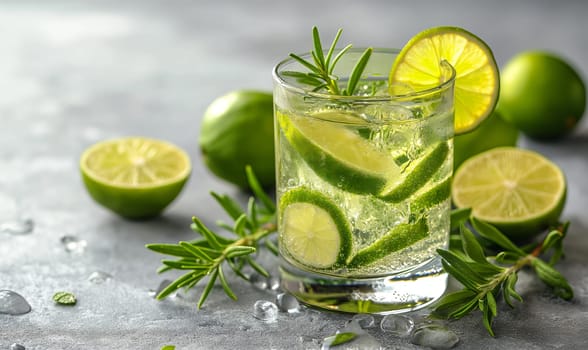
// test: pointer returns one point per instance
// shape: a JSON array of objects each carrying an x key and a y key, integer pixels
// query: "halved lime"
[
  {"x": 517, "y": 190},
  {"x": 398, "y": 238},
  {"x": 477, "y": 80},
  {"x": 338, "y": 153},
  {"x": 418, "y": 174},
  {"x": 314, "y": 231},
  {"x": 135, "y": 177}
]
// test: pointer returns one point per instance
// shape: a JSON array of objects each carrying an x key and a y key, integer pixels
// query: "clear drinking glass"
[{"x": 363, "y": 187}]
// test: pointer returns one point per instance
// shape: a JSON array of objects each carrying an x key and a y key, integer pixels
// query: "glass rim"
[{"x": 279, "y": 78}]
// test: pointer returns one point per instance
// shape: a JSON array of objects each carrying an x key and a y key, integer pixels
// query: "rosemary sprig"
[
  {"x": 321, "y": 67},
  {"x": 485, "y": 279},
  {"x": 207, "y": 256}
]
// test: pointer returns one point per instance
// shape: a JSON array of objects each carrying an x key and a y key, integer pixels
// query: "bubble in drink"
[
  {"x": 265, "y": 311},
  {"x": 12, "y": 303}
]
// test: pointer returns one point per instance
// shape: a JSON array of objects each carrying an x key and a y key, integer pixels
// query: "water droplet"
[
  {"x": 73, "y": 244},
  {"x": 12, "y": 303},
  {"x": 18, "y": 227},
  {"x": 398, "y": 325},
  {"x": 287, "y": 303},
  {"x": 434, "y": 336},
  {"x": 16, "y": 346},
  {"x": 273, "y": 283},
  {"x": 265, "y": 310},
  {"x": 161, "y": 287},
  {"x": 99, "y": 277},
  {"x": 364, "y": 320},
  {"x": 258, "y": 281}
]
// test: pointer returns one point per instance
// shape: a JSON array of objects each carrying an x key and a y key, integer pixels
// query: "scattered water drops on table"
[
  {"x": 18, "y": 226},
  {"x": 435, "y": 336},
  {"x": 265, "y": 310},
  {"x": 17, "y": 346},
  {"x": 12, "y": 303},
  {"x": 273, "y": 283},
  {"x": 73, "y": 244},
  {"x": 398, "y": 325},
  {"x": 99, "y": 277},
  {"x": 287, "y": 303},
  {"x": 258, "y": 281}
]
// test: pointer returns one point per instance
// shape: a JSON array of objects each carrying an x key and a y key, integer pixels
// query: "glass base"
[{"x": 403, "y": 292}]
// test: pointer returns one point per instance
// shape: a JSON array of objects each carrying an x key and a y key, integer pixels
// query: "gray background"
[{"x": 73, "y": 73}]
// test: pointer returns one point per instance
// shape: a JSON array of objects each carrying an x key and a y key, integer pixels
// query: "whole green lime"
[
  {"x": 493, "y": 132},
  {"x": 237, "y": 130},
  {"x": 542, "y": 95}
]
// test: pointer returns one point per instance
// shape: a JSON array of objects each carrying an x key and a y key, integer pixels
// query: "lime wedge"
[
  {"x": 418, "y": 174},
  {"x": 398, "y": 238},
  {"x": 314, "y": 231},
  {"x": 432, "y": 196},
  {"x": 338, "y": 153},
  {"x": 135, "y": 177},
  {"x": 477, "y": 80},
  {"x": 519, "y": 191}
]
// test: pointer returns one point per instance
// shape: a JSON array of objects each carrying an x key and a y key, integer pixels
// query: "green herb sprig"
[
  {"x": 486, "y": 278},
  {"x": 206, "y": 257},
  {"x": 321, "y": 67}
]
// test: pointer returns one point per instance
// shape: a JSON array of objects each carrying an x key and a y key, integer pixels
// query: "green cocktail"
[{"x": 363, "y": 186}]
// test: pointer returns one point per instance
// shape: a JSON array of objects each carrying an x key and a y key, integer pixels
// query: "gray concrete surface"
[{"x": 73, "y": 73}]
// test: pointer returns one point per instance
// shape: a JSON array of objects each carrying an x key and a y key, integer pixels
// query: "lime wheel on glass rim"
[
  {"x": 477, "y": 80},
  {"x": 135, "y": 177}
]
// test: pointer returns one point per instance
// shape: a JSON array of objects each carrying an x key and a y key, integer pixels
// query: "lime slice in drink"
[
  {"x": 418, "y": 174},
  {"x": 338, "y": 153},
  {"x": 431, "y": 196},
  {"x": 135, "y": 177},
  {"x": 398, "y": 238},
  {"x": 477, "y": 80},
  {"x": 519, "y": 191},
  {"x": 314, "y": 230}
]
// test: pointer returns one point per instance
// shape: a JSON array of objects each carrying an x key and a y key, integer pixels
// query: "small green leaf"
[
  {"x": 258, "y": 191},
  {"x": 458, "y": 217},
  {"x": 452, "y": 302},
  {"x": 493, "y": 234},
  {"x": 305, "y": 63},
  {"x": 318, "y": 48},
  {"x": 224, "y": 283},
  {"x": 358, "y": 71},
  {"x": 236, "y": 251},
  {"x": 65, "y": 298},
  {"x": 338, "y": 57},
  {"x": 460, "y": 270},
  {"x": 342, "y": 338},
  {"x": 168, "y": 347},
  {"x": 553, "y": 278},
  {"x": 208, "y": 288},
  {"x": 196, "y": 251},
  {"x": 215, "y": 241},
  {"x": 228, "y": 204},
  {"x": 471, "y": 246},
  {"x": 257, "y": 267},
  {"x": 240, "y": 224},
  {"x": 332, "y": 48},
  {"x": 172, "y": 287},
  {"x": 169, "y": 249}
]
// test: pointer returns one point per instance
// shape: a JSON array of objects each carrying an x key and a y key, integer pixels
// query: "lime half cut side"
[
  {"x": 135, "y": 177},
  {"x": 419, "y": 65},
  {"x": 314, "y": 231},
  {"x": 519, "y": 191},
  {"x": 334, "y": 149}
]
